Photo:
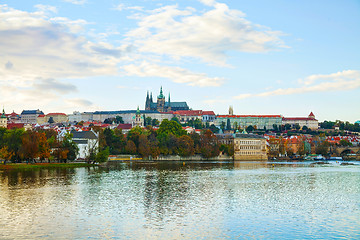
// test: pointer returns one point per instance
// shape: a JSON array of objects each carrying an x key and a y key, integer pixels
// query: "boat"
[
  {"x": 334, "y": 159},
  {"x": 319, "y": 158}
]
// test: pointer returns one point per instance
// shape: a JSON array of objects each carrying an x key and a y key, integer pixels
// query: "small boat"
[
  {"x": 319, "y": 158},
  {"x": 334, "y": 159}
]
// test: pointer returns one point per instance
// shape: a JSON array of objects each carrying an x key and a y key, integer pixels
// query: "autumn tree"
[{"x": 186, "y": 146}]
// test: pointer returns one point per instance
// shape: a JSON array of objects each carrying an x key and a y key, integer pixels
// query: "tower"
[
  {"x": 169, "y": 104},
  {"x": 231, "y": 110},
  {"x": 161, "y": 102},
  {"x": 3, "y": 120},
  {"x": 138, "y": 120}
]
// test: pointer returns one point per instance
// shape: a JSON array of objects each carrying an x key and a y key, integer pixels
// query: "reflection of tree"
[{"x": 164, "y": 193}]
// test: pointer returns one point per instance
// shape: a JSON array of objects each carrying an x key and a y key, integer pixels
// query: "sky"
[{"x": 259, "y": 56}]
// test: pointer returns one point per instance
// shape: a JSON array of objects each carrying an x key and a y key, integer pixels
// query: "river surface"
[{"x": 176, "y": 200}]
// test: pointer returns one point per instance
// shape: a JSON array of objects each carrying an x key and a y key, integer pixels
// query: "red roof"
[
  {"x": 15, "y": 125},
  {"x": 251, "y": 116},
  {"x": 41, "y": 115},
  {"x": 311, "y": 114},
  {"x": 299, "y": 118},
  {"x": 52, "y": 114},
  {"x": 189, "y": 112},
  {"x": 208, "y": 113},
  {"x": 124, "y": 126}
]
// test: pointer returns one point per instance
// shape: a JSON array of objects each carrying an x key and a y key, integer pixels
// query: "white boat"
[
  {"x": 319, "y": 158},
  {"x": 334, "y": 159}
]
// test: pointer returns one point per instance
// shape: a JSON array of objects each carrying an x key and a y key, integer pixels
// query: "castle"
[{"x": 161, "y": 105}]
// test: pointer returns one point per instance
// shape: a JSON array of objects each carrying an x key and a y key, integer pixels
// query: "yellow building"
[
  {"x": 249, "y": 147},
  {"x": 57, "y": 117}
]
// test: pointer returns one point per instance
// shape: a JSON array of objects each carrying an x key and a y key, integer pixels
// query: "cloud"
[
  {"x": 208, "y": 35},
  {"x": 176, "y": 74},
  {"x": 39, "y": 46},
  {"x": 54, "y": 85},
  {"x": 340, "y": 81},
  {"x": 46, "y": 8},
  {"x": 77, "y": 2},
  {"x": 78, "y": 102},
  {"x": 9, "y": 65},
  {"x": 121, "y": 7}
]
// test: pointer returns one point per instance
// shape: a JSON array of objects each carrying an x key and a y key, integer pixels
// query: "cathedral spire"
[
  {"x": 161, "y": 96},
  {"x": 169, "y": 97}
]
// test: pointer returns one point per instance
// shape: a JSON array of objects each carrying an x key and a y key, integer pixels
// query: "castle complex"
[{"x": 161, "y": 105}]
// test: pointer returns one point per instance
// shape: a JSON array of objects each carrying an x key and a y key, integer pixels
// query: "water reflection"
[{"x": 196, "y": 200}]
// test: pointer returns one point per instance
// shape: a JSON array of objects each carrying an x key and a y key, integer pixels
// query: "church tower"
[
  {"x": 161, "y": 102},
  {"x": 169, "y": 105},
  {"x": 3, "y": 120},
  {"x": 138, "y": 120}
]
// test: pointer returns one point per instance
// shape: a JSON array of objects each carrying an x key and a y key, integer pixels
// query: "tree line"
[
  {"x": 169, "y": 139},
  {"x": 18, "y": 145}
]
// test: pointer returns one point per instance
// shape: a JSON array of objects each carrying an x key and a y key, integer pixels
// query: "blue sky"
[{"x": 261, "y": 57}]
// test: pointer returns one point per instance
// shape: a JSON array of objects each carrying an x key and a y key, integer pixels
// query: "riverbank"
[{"x": 24, "y": 166}]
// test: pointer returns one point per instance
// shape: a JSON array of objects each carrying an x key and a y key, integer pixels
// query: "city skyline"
[{"x": 261, "y": 57}]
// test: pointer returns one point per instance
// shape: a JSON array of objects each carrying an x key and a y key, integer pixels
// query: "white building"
[
  {"x": 30, "y": 116},
  {"x": 87, "y": 141},
  {"x": 310, "y": 121}
]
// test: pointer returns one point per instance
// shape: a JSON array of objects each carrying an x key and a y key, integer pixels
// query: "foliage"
[
  {"x": 345, "y": 143},
  {"x": 102, "y": 156}
]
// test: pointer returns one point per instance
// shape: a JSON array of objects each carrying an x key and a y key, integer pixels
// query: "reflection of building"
[
  {"x": 257, "y": 121},
  {"x": 138, "y": 119},
  {"x": 162, "y": 106},
  {"x": 30, "y": 116},
  {"x": 249, "y": 147},
  {"x": 309, "y": 122}
]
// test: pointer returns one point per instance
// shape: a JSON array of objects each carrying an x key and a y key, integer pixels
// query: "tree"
[
  {"x": 222, "y": 125},
  {"x": 6, "y": 154},
  {"x": 175, "y": 119},
  {"x": 130, "y": 147},
  {"x": 119, "y": 119},
  {"x": 44, "y": 146},
  {"x": 171, "y": 127},
  {"x": 322, "y": 148},
  {"x": 30, "y": 146},
  {"x": 213, "y": 128},
  {"x": 186, "y": 146},
  {"x": 13, "y": 139},
  {"x": 51, "y": 120},
  {"x": 209, "y": 145},
  {"x": 228, "y": 124},
  {"x": 297, "y": 126},
  {"x": 102, "y": 156},
  {"x": 250, "y": 128},
  {"x": 71, "y": 147},
  {"x": 144, "y": 146},
  {"x": 155, "y": 122},
  {"x": 275, "y": 127},
  {"x": 345, "y": 143},
  {"x": 134, "y": 135},
  {"x": 305, "y": 128}
]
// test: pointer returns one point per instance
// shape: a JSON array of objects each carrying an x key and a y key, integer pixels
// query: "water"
[{"x": 241, "y": 200}]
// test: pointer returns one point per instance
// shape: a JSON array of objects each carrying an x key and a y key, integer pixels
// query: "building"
[
  {"x": 13, "y": 117},
  {"x": 243, "y": 121},
  {"x": 57, "y": 117},
  {"x": 161, "y": 105},
  {"x": 41, "y": 119},
  {"x": 30, "y": 116},
  {"x": 3, "y": 120},
  {"x": 127, "y": 115},
  {"x": 138, "y": 119},
  {"x": 87, "y": 141},
  {"x": 76, "y": 117},
  {"x": 249, "y": 147},
  {"x": 310, "y": 121}
]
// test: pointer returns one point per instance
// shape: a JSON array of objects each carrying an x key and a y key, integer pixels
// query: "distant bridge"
[{"x": 342, "y": 151}]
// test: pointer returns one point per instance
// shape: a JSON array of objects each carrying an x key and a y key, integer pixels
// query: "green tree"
[
  {"x": 213, "y": 128},
  {"x": 102, "y": 156},
  {"x": 155, "y": 122},
  {"x": 130, "y": 147},
  {"x": 70, "y": 146},
  {"x": 345, "y": 143},
  {"x": 250, "y": 128},
  {"x": 171, "y": 127},
  {"x": 51, "y": 120}
]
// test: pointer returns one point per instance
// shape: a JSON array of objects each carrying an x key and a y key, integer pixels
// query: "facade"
[
  {"x": 138, "y": 119},
  {"x": 3, "y": 120},
  {"x": 41, "y": 119},
  {"x": 13, "y": 117},
  {"x": 249, "y": 147},
  {"x": 78, "y": 117},
  {"x": 243, "y": 121},
  {"x": 208, "y": 116},
  {"x": 310, "y": 121},
  {"x": 30, "y": 116},
  {"x": 127, "y": 115},
  {"x": 57, "y": 117},
  {"x": 87, "y": 141},
  {"x": 161, "y": 105}
]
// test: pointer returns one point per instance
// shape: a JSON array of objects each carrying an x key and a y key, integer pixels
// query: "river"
[{"x": 176, "y": 200}]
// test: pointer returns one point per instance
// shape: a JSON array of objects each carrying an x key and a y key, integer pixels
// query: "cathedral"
[{"x": 161, "y": 105}]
